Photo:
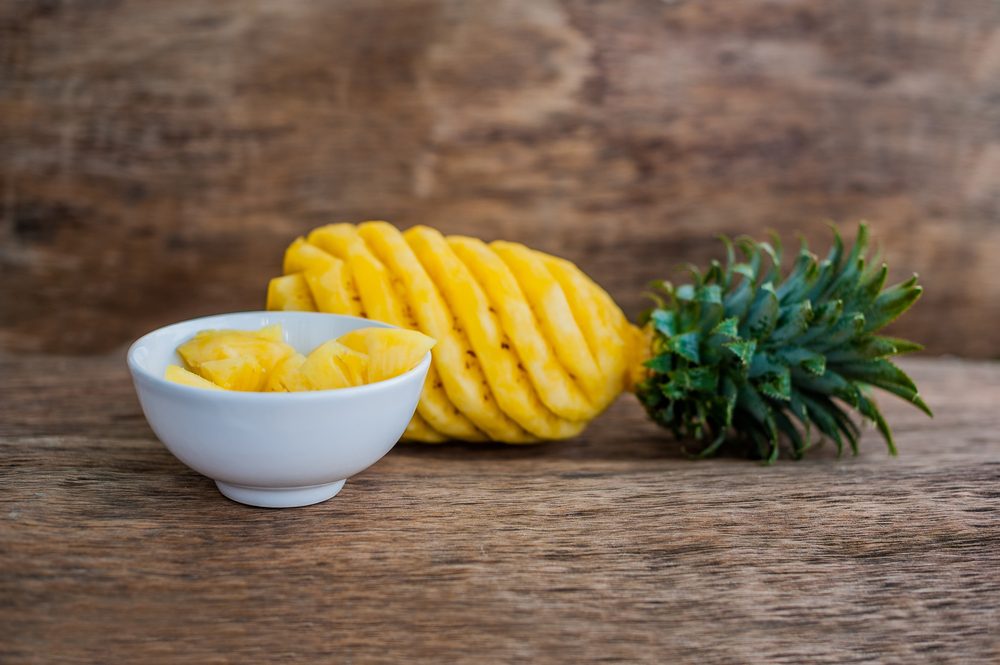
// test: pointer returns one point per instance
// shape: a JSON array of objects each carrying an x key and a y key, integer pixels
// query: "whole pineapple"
[{"x": 529, "y": 348}]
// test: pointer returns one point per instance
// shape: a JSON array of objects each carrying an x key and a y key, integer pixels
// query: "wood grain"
[
  {"x": 612, "y": 547},
  {"x": 157, "y": 155}
]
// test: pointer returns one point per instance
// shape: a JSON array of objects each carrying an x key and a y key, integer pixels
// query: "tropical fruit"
[
  {"x": 389, "y": 351},
  {"x": 178, "y": 374},
  {"x": 265, "y": 346},
  {"x": 333, "y": 365},
  {"x": 286, "y": 376},
  {"x": 261, "y": 361},
  {"x": 529, "y": 348}
]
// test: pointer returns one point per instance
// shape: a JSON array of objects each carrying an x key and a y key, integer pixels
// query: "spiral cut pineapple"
[{"x": 529, "y": 348}]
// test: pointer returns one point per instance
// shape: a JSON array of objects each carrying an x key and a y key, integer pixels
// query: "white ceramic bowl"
[{"x": 275, "y": 450}]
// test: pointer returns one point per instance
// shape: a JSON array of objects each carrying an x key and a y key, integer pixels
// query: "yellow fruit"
[
  {"x": 180, "y": 375},
  {"x": 301, "y": 256},
  {"x": 333, "y": 365},
  {"x": 265, "y": 346},
  {"x": 260, "y": 361},
  {"x": 505, "y": 378},
  {"x": 272, "y": 333},
  {"x": 528, "y": 348},
  {"x": 390, "y": 351},
  {"x": 290, "y": 293},
  {"x": 458, "y": 367},
  {"x": 381, "y": 298},
  {"x": 243, "y": 373},
  {"x": 286, "y": 377}
]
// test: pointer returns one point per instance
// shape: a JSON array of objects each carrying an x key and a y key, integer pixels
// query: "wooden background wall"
[{"x": 157, "y": 155}]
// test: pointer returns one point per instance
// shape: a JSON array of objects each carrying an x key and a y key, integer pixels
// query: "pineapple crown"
[{"x": 745, "y": 350}]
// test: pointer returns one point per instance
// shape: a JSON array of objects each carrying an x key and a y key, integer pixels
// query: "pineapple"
[
  {"x": 334, "y": 365},
  {"x": 178, "y": 374},
  {"x": 290, "y": 293},
  {"x": 530, "y": 349},
  {"x": 265, "y": 346},
  {"x": 286, "y": 377},
  {"x": 390, "y": 351},
  {"x": 261, "y": 361},
  {"x": 242, "y": 373}
]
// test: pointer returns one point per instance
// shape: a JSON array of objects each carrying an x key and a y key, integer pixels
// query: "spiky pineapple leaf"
[{"x": 745, "y": 351}]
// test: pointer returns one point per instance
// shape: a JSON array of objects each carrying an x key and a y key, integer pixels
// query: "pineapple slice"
[
  {"x": 602, "y": 323},
  {"x": 272, "y": 333},
  {"x": 550, "y": 305},
  {"x": 334, "y": 365},
  {"x": 290, "y": 293},
  {"x": 390, "y": 351},
  {"x": 328, "y": 278},
  {"x": 333, "y": 289},
  {"x": 554, "y": 385},
  {"x": 243, "y": 373},
  {"x": 208, "y": 345},
  {"x": 178, "y": 374},
  {"x": 374, "y": 282},
  {"x": 286, "y": 377},
  {"x": 507, "y": 378},
  {"x": 302, "y": 256},
  {"x": 458, "y": 370},
  {"x": 382, "y": 298}
]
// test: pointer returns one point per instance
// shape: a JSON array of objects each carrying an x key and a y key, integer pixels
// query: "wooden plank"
[
  {"x": 610, "y": 547},
  {"x": 157, "y": 155}
]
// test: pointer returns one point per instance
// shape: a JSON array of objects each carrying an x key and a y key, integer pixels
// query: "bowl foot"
[{"x": 280, "y": 497}]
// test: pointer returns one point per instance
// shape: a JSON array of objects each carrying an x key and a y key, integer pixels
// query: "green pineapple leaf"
[{"x": 747, "y": 352}]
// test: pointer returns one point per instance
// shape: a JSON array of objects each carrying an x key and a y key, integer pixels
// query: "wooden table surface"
[{"x": 610, "y": 547}]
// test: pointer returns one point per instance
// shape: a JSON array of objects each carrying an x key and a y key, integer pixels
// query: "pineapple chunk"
[
  {"x": 333, "y": 365},
  {"x": 286, "y": 377},
  {"x": 333, "y": 289},
  {"x": 243, "y": 373},
  {"x": 302, "y": 256},
  {"x": 178, "y": 374},
  {"x": 290, "y": 293},
  {"x": 272, "y": 333},
  {"x": 264, "y": 345},
  {"x": 390, "y": 351}
]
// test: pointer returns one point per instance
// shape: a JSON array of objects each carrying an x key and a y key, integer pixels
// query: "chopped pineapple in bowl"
[{"x": 279, "y": 408}]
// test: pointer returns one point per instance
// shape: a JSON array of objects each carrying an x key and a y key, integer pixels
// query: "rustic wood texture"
[
  {"x": 157, "y": 155},
  {"x": 610, "y": 547}
]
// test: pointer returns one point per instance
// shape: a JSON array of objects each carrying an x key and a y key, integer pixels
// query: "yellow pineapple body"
[
  {"x": 528, "y": 347},
  {"x": 506, "y": 379},
  {"x": 290, "y": 293}
]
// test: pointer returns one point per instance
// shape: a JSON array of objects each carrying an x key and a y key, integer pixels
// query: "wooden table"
[{"x": 611, "y": 547}]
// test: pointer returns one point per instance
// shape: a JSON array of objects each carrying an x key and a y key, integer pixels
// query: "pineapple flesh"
[
  {"x": 528, "y": 348},
  {"x": 261, "y": 361}
]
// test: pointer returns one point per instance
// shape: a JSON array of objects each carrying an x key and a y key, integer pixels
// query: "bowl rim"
[{"x": 160, "y": 382}]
